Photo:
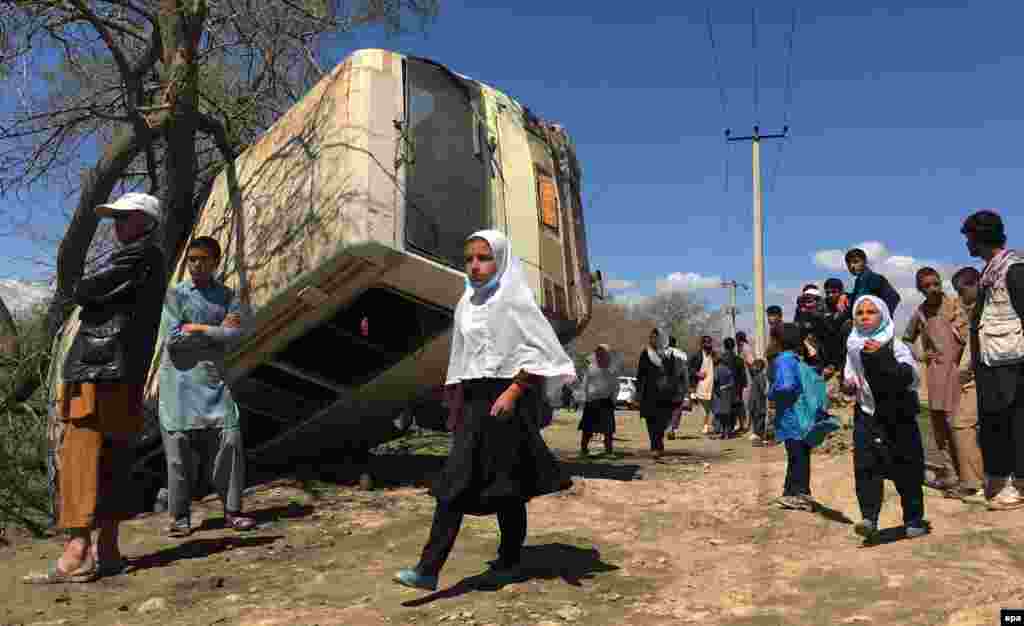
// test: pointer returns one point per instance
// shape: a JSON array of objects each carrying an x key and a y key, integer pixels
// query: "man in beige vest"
[{"x": 997, "y": 345}]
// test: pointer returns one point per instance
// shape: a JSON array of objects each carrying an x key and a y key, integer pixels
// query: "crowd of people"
[
  {"x": 969, "y": 345},
  {"x": 505, "y": 357}
]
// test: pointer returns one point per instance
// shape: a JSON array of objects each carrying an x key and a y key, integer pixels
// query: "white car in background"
[{"x": 627, "y": 391}]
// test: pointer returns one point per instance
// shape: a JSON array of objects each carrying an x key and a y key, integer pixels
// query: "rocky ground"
[{"x": 692, "y": 539}]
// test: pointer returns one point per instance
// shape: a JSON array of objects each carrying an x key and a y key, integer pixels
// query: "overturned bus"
[{"x": 342, "y": 230}]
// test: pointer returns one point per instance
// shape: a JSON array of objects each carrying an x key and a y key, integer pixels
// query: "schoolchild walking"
[
  {"x": 659, "y": 378},
  {"x": 786, "y": 391},
  {"x": 600, "y": 387},
  {"x": 881, "y": 371},
  {"x": 723, "y": 400},
  {"x": 503, "y": 352}
]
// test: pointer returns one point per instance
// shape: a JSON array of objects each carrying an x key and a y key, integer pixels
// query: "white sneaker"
[
  {"x": 1008, "y": 498},
  {"x": 754, "y": 437}
]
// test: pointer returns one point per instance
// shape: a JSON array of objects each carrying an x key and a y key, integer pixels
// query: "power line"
[
  {"x": 716, "y": 70},
  {"x": 777, "y": 165},
  {"x": 787, "y": 99},
  {"x": 753, "y": 46},
  {"x": 788, "y": 88},
  {"x": 723, "y": 99}
]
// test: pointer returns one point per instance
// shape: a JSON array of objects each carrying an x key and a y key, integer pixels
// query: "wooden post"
[
  {"x": 760, "y": 342},
  {"x": 759, "y": 314}
]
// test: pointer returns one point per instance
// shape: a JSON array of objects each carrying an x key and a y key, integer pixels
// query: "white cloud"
[
  {"x": 831, "y": 260},
  {"x": 898, "y": 268},
  {"x": 688, "y": 281}
]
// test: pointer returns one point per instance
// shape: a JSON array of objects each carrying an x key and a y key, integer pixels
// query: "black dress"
[
  {"x": 496, "y": 461},
  {"x": 598, "y": 417},
  {"x": 659, "y": 389}
]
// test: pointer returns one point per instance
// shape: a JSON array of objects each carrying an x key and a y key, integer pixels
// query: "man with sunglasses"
[{"x": 199, "y": 420}]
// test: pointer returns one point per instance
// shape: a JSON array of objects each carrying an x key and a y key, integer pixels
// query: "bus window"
[{"x": 446, "y": 185}]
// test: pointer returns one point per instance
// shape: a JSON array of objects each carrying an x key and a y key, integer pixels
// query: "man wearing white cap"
[
  {"x": 100, "y": 397},
  {"x": 810, "y": 318}
]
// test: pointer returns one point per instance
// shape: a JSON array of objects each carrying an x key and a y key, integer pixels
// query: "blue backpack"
[{"x": 815, "y": 421}]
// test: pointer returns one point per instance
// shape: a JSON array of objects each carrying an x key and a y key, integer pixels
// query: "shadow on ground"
[
  {"x": 262, "y": 516},
  {"x": 198, "y": 549},
  {"x": 544, "y": 562}
]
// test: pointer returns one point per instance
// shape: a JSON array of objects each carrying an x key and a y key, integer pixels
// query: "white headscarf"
[
  {"x": 600, "y": 382},
  {"x": 522, "y": 338},
  {"x": 853, "y": 373},
  {"x": 655, "y": 354}
]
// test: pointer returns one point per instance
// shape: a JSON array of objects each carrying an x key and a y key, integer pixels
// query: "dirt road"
[{"x": 691, "y": 540}]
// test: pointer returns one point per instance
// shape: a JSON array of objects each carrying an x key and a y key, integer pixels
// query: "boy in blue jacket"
[
  {"x": 801, "y": 418},
  {"x": 785, "y": 391}
]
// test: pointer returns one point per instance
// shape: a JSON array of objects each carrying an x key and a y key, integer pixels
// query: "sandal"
[
  {"x": 178, "y": 530},
  {"x": 237, "y": 521},
  {"x": 53, "y": 576}
]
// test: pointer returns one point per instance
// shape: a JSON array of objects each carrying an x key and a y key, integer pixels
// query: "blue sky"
[{"x": 903, "y": 121}]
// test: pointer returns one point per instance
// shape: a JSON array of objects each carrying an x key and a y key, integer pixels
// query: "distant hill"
[
  {"x": 20, "y": 295},
  {"x": 611, "y": 324}
]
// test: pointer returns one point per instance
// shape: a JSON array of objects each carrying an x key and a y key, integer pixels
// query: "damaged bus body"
[{"x": 342, "y": 230}]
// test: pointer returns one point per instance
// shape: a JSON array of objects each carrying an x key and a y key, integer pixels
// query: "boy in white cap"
[{"x": 100, "y": 397}]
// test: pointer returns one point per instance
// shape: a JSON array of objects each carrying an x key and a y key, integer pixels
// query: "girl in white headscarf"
[
  {"x": 503, "y": 352},
  {"x": 881, "y": 371},
  {"x": 600, "y": 388}
]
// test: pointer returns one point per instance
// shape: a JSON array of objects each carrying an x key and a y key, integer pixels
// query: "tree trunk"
[
  {"x": 8, "y": 332},
  {"x": 181, "y": 27}
]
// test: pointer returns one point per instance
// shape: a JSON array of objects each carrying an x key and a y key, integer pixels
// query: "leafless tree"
[
  {"x": 166, "y": 90},
  {"x": 683, "y": 315}
]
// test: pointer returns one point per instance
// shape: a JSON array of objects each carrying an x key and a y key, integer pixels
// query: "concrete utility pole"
[
  {"x": 759, "y": 315},
  {"x": 731, "y": 285}
]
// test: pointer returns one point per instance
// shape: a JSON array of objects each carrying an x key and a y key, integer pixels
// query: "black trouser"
[
  {"x": 1002, "y": 438},
  {"x": 657, "y": 437},
  {"x": 798, "y": 469},
  {"x": 758, "y": 424},
  {"x": 656, "y": 426},
  {"x": 902, "y": 461},
  {"x": 726, "y": 423},
  {"x": 445, "y": 528}
]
